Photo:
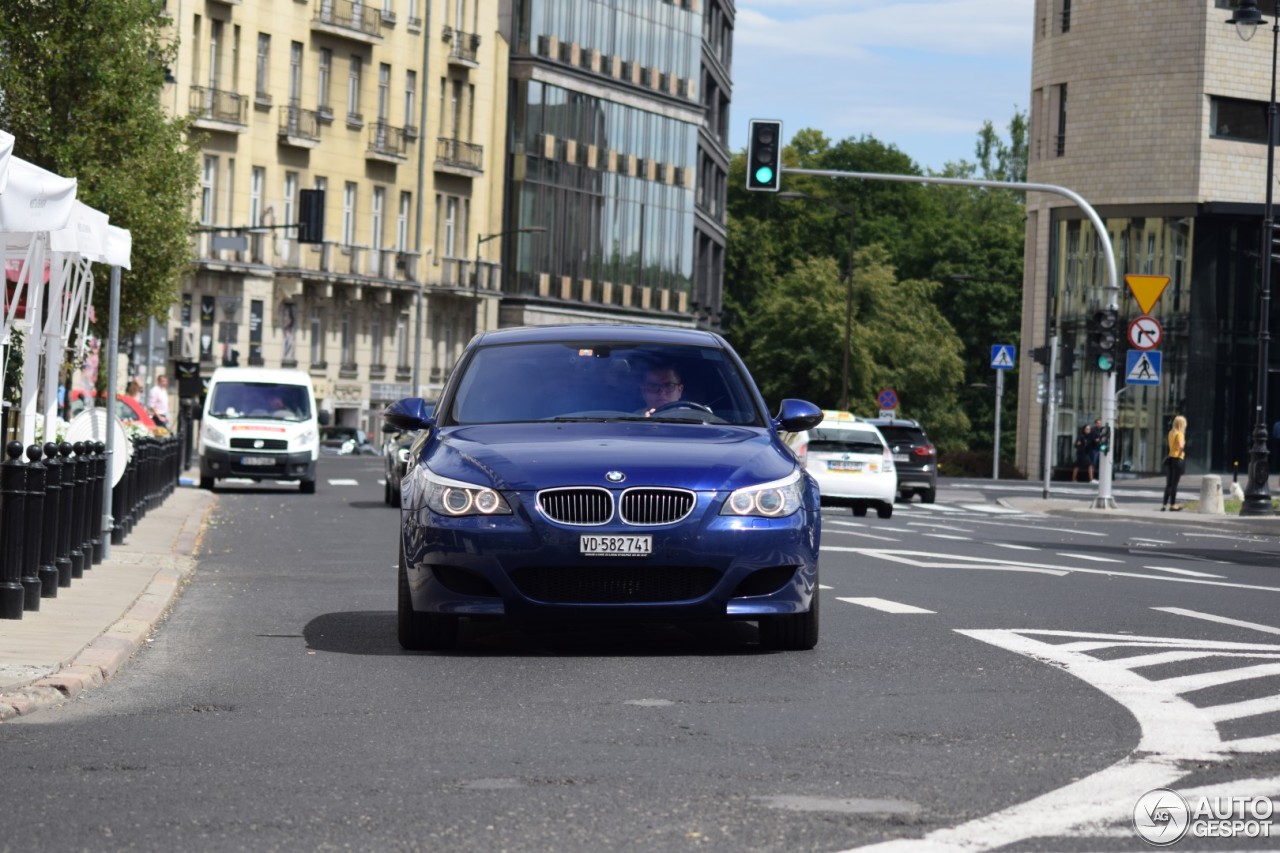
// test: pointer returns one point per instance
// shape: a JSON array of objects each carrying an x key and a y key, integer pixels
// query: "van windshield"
[{"x": 232, "y": 400}]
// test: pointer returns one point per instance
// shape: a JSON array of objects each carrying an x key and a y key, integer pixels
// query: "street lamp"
[
  {"x": 481, "y": 239},
  {"x": 1257, "y": 495},
  {"x": 848, "y": 289}
]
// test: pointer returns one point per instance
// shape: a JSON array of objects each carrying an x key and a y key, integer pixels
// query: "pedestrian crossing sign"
[
  {"x": 1142, "y": 367},
  {"x": 1002, "y": 356}
]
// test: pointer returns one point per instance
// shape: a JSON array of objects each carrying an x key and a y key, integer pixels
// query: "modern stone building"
[
  {"x": 482, "y": 162},
  {"x": 1157, "y": 116}
]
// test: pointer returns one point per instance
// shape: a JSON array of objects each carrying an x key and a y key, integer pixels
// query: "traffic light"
[
  {"x": 1040, "y": 355},
  {"x": 1104, "y": 439},
  {"x": 764, "y": 155},
  {"x": 1067, "y": 365},
  {"x": 1103, "y": 338}
]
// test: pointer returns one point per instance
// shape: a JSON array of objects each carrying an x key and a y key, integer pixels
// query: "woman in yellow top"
[{"x": 1175, "y": 464}]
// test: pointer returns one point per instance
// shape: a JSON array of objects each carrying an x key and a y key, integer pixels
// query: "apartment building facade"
[
  {"x": 394, "y": 109},
  {"x": 1159, "y": 120}
]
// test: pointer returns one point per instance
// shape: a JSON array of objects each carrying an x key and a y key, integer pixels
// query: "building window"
[
  {"x": 264, "y": 64},
  {"x": 353, "y": 89},
  {"x": 208, "y": 190},
  {"x": 402, "y": 341},
  {"x": 348, "y": 342},
  {"x": 450, "y": 226},
  {"x": 295, "y": 73},
  {"x": 384, "y": 91},
  {"x": 1233, "y": 118},
  {"x": 1062, "y": 20},
  {"x": 290, "y": 198},
  {"x": 402, "y": 222},
  {"x": 326, "y": 75},
  {"x": 410, "y": 97},
  {"x": 375, "y": 340},
  {"x": 257, "y": 182},
  {"x": 1060, "y": 137},
  {"x": 349, "y": 214},
  {"x": 317, "y": 338}
]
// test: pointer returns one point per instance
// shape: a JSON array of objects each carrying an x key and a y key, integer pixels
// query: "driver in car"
[{"x": 661, "y": 386}]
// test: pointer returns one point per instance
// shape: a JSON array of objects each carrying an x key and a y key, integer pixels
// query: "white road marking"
[
  {"x": 1174, "y": 733},
  {"x": 1153, "y": 541},
  {"x": 933, "y": 525},
  {"x": 1209, "y": 617},
  {"x": 1089, "y": 557},
  {"x": 1201, "y": 680},
  {"x": 344, "y": 482},
  {"x": 1187, "y": 572},
  {"x": 885, "y": 605},
  {"x": 1039, "y": 528},
  {"x": 861, "y": 533},
  {"x": 927, "y": 560},
  {"x": 1013, "y": 547},
  {"x": 1211, "y": 536},
  {"x": 824, "y": 586},
  {"x": 947, "y": 536}
]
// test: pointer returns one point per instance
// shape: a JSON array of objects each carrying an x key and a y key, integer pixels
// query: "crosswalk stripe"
[{"x": 885, "y": 605}]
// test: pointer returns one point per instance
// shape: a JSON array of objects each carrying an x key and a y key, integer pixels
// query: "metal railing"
[
  {"x": 300, "y": 123},
  {"x": 461, "y": 45},
  {"x": 387, "y": 140},
  {"x": 218, "y": 105},
  {"x": 348, "y": 15},
  {"x": 455, "y": 152}
]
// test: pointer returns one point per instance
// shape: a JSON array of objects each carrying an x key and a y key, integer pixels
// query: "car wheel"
[
  {"x": 386, "y": 494},
  {"x": 206, "y": 483},
  {"x": 307, "y": 487},
  {"x": 928, "y": 495},
  {"x": 885, "y": 510},
  {"x": 795, "y": 632},
  {"x": 860, "y": 511},
  {"x": 420, "y": 632}
]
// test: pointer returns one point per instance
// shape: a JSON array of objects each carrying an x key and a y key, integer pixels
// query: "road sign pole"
[
  {"x": 995, "y": 455},
  {"x": 1050, "y": 403}
]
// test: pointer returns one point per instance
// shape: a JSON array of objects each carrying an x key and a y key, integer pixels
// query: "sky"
[{"x": 921, "y": 75}]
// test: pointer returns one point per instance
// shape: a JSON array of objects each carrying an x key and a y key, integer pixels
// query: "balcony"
[
  {"x": 299, "y": 128},
  {"x": 350, "y": 20},
  {"x": 215, "y": 109},
  {"x": 459, "y": 158},
  {"x": 414, "y": 23},
  {"x": 386, "y": 143},
  {"x": 462, "y": 47}
]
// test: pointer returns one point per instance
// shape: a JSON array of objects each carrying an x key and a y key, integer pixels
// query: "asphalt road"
[{"x": 986, "y": 678}]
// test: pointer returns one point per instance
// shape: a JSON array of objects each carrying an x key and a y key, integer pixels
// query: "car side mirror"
[
  {"x": 797, "y": 415},
  {"x": 411, "y": 413}
]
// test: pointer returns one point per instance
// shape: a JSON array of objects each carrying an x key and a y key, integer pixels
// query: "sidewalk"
[
  {"x": 1139, "y": 499},
  {"x": 82, "y": 638}
]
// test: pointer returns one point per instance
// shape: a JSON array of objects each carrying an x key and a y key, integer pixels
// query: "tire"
[
  {"x": 794, "y": 632},
  {"x": 860, "y": 511},
  {"x": 386, "y": 494},
  {"x": 928, "y": 495},
  {"x": 206, "y": 483},
  {"x": 421, "y": 632},
  {"x": 885, "y": 510},
  {"x": 307, "y": 487}
]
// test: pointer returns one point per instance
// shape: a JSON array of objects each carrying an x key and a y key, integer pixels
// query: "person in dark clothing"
[{"x": 1084, "y": 454}]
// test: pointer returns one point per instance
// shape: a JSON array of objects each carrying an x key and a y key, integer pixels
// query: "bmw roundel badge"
[{"x": 615, "y": 476}]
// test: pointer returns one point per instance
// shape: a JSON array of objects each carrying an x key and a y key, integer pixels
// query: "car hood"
[{"x": 537, "y": 456}]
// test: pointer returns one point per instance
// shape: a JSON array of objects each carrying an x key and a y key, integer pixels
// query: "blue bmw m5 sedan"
[{"x": 606, "y": 472}]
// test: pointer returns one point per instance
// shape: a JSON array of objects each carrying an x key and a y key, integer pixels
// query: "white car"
[{"x": 851, "y": 462}]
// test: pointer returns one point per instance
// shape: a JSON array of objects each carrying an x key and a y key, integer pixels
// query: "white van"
[{"x": 259, "y": 423}]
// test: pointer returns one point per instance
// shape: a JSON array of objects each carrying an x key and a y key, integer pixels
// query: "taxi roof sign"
[
  {"x": 1146, "y": 289},
  {"x": 836, "y": 415}
]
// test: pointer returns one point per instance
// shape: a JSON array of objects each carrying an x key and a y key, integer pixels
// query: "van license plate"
[
  {"x": 615, "y": 546},
  {"x": 261, "y": 461}
]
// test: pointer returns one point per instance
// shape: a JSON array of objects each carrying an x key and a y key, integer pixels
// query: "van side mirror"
[{"x": 324, "y": 417}]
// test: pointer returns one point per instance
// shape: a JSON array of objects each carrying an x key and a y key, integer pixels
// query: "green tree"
[{"x": 82, "y": 83}]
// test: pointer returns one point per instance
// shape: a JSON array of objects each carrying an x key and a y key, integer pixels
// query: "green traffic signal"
[
  {"x": 764, "y": 175},
  {"x": 1105, "y": 362}
]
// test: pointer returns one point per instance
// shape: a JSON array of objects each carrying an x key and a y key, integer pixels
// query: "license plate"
[
  {"x": 257, "y": 460},
  {"x": 900, "y": 457},
  {"x": 615, "y": 546},
  {"x": 847, "y": 467}
]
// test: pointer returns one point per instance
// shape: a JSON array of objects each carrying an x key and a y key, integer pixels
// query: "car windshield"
[
  {"x": 844, "y": 441},
  {"x": 590, "y": 380},
  {"x": 232, "y": 400}
]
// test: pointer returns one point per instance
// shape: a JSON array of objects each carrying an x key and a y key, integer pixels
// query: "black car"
[
  {"x": 914, "y": 455},
  {"x": 395, "y": 451},
  {"x": 346, "y": 441}
]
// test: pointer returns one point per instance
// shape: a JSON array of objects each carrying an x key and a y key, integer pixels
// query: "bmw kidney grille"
[{"x": 593, "y": 506}]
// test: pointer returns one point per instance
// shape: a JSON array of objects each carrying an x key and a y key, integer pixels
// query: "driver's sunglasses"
[{"x": 661, "y": 387}]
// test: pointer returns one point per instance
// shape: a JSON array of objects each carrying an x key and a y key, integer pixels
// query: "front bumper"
[
  {"x": 706, "y": 567},
  {"x": 219, "y": 463}
]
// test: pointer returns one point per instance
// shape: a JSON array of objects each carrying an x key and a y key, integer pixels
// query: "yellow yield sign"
[{"x": 1146, "y": 289}]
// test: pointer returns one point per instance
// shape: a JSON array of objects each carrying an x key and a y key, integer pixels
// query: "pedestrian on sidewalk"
[
  {"x": 1175, "y": 464},
  {"x": 1095, "y": 451},
  {"x": 158, "y": 401},
  {"x": 1084, "y": 454}
]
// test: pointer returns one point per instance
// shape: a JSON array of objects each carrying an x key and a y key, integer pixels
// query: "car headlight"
[
  {"x": 455, "y": 498},
  {"x": 402, "y": 454},
  {"x": 768, "y": 500},
  {"x": 306, "y": 438},
  {"x": 212, "y": 435}
]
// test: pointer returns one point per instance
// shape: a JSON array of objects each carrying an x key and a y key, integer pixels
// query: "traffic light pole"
[
  {"x": 1050, "y": 406},
  {"x": 1103, "y": 500}
]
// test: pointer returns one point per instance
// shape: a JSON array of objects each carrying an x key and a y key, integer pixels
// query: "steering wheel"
[{"x": 681, "y": 404}]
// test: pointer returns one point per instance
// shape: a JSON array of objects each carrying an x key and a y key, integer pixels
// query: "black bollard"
[
  {"x": 53, "y": 513},
  {"x": 72, "y": 497},
  {"x": 32, "y": 584},
  {"x": 13, "y": 488},
  {"x": 65, "y": 498},
  {"x": 80, "y": 532},
  {"x": 97, "y": 516}
]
